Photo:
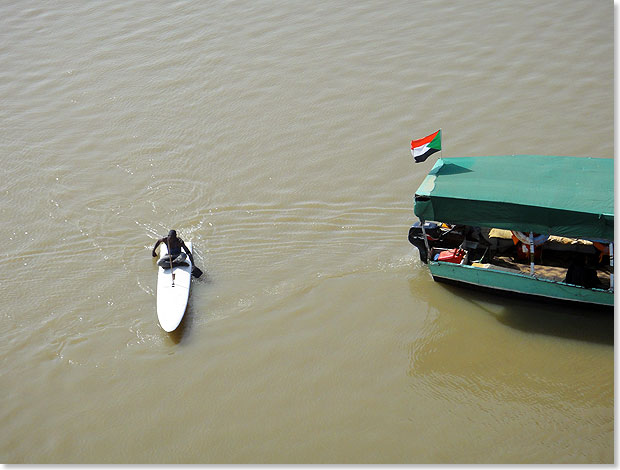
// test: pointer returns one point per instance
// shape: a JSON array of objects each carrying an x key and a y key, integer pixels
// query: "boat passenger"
[
  {"x": 581, "y": 273},
  {"x": 175, "y": 254}
]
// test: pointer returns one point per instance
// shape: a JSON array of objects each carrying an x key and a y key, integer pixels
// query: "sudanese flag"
[{"x": 423, "y": 148}]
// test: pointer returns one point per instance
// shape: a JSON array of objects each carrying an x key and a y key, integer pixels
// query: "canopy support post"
[
  {"x": 531, "y": 253},
  {"x": 428, "y": 249},
  {"x": 611, "y": 264}
]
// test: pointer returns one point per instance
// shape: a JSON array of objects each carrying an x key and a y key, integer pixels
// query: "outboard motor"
[{"x": 416, "y": 237}]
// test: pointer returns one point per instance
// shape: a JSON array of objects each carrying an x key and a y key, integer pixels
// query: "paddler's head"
[{"x": 172, "y": 234}]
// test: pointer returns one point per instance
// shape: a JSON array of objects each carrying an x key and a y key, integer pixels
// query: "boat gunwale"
[{"x": 486, "y": 286}]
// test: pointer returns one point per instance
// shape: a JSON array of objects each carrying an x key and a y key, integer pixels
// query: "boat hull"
[{"x": 522, "y": 285}]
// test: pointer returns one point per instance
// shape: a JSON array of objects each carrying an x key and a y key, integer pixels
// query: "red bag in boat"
[{"x": 455, "y": 255}]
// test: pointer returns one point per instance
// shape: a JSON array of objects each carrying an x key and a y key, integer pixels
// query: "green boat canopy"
[{"x": 565, "y": 196}]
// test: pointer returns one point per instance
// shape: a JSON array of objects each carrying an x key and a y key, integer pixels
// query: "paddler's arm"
[
  {"x": 155, "y": 247},
  {"x": 189, "y": 253}
]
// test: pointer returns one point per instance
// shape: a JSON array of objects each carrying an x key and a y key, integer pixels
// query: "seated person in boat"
[
  {"x": 582, "y": 273},
  {"x": 175, "y": 255}
]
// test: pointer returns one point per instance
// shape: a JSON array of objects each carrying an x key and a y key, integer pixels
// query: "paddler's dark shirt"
[
  {"x": 175, "y": 249},
  {"x": 174, "y": 245}
]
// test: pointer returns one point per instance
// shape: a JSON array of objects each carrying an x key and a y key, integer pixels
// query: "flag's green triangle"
[{"x": 436, "y": 142}]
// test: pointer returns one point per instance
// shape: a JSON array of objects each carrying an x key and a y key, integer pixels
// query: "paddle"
[
  {"x": 196, "y": 272},
  {"x": 171, "y": 270}
]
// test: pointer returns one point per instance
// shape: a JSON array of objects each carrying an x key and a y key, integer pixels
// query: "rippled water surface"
[{"x": 275, "y": 136}]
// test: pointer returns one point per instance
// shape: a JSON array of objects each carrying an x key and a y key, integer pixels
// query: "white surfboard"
[{"x": 172, "y": 299}]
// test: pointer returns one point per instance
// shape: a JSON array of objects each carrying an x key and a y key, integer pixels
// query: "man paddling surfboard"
[
  {"x": 175, "y": 256},
  {"x": 173, "y": 279}
]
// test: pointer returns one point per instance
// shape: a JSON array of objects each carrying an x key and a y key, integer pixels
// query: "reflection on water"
[{"x": 559, "y": 320}]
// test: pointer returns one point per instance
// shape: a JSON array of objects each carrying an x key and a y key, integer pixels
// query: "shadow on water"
[
  {"x": 559, "y": 320},
  {"x": 182, "y": 333}
]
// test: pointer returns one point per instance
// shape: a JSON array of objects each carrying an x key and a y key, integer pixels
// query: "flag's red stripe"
[{"x": 425, "y": 140}]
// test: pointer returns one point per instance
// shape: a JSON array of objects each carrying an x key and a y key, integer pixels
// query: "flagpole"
[{"x": 441, "y": 150}]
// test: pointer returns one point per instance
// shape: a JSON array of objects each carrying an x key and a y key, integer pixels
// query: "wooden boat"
[{"x": 537, "y": 226}]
